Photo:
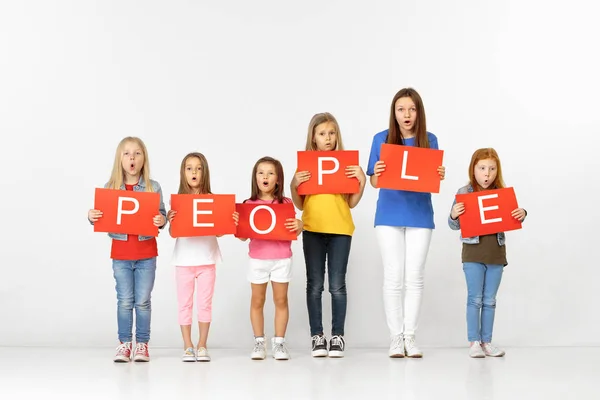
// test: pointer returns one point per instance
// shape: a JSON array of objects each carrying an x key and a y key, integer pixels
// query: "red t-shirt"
[{"x": 132, "y": 248}]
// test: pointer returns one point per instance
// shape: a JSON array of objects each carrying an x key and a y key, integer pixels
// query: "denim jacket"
[
  {"x": 455, "y": 223},
  {"x": 141, "y": 187}
]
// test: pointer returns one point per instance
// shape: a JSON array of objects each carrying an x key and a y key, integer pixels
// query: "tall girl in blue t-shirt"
[{"x": 403, "y": 225}]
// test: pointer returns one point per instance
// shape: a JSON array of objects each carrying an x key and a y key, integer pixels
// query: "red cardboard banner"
[
  {"x": 488, "y": 212},
  {"x": 202, "y": 214},
  {"x": 410, "y": 168},
  {"x": 126, "y": 211},
  {"x": 328, "y": 172},
  {"x": 265, "y": 221}
]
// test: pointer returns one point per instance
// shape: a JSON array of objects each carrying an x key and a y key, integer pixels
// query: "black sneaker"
[
  {"x": 337, "y": 345},
  {"x": 319, "y": 346}
]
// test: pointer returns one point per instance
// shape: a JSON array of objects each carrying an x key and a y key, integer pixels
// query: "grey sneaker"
[
  {"x": 280, "y": 351},
  {"x": 319, "y": 346},
  {"x": 259, "y": 352},
  {"x": 337, "y": 346}
]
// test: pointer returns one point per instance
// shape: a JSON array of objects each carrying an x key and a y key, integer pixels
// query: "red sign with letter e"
[
  {"x": 328, "y": 172},
  {"x": 265, "y": 221},
  {"x": 126, "y": 211},
  {"x": 202, "y": 214},
  {"x": 410, "y": 168},
  {"x": 488, "y": 212}
]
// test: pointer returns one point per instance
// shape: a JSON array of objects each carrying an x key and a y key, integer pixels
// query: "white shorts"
[{"x": 261, "y": 271}]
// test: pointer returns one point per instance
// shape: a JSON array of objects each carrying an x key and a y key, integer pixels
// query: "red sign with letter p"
[{"x": 126, "y": 211}]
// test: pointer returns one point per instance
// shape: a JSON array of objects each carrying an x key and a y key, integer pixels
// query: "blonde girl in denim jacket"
[
  {"x": 483, "y": 257},
  {"x": 134, "y": 257}
]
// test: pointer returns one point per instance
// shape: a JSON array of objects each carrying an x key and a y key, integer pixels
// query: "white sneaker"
[
  {"x": 259, "y": 352},
  {"x": 202, "y": 355},
  {"x": 188, "y": 355},
  {"x": 492, "y": 351},
  {"x": 280, "y": 351},
  {"x": 397, "y": 347},
  {"x": 475, "y": 350},
  {"x": 410, "y": 348}
]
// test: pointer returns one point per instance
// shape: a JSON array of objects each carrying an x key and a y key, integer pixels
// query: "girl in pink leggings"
[{"x": 195, "y": 259}]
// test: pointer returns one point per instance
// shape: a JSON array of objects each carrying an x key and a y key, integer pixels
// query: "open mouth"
[
  {"x": 194, "y": 179},
  {"x": 407, "y": 122},
  {"x": 132, "y": 166},
  {"x": 265, "y": 183}
]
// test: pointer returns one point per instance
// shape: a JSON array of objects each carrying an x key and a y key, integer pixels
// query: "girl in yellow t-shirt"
[{"x": 328, "y": 229}]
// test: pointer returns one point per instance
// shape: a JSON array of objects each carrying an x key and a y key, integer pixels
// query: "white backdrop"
[{"x": 238, "y": 80}]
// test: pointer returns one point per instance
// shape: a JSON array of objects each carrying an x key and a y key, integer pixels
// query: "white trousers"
[{"x": 403, "y": 252}]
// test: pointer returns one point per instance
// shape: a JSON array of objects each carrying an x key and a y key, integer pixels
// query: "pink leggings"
[{"x": 204, "y": 277}]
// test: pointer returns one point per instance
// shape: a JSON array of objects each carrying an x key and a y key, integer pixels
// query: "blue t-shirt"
[{"x": 401, "y": 207}]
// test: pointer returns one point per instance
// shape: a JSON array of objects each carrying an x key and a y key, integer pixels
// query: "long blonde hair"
[
  {"x": 117, "y": 176},
  {"x": 184, "y": 186},
  {"x": 485, "y": 154},
  {"x": 317, "y": 120}
]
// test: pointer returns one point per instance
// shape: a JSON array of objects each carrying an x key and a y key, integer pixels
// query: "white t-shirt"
[{"x": 196, "y": 251}]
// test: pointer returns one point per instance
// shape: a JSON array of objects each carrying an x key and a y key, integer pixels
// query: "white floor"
[{"x": 524, "y": 373}]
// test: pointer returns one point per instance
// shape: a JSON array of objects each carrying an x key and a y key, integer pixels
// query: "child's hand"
[
  {"x": 94, "y": 215},
  {"x": 171, "y": 215},
  {"x": 300, "y": 177},
  {"x": 457, "y": 210},
  {"x": 519, "y": 214},
  {"x": 294, "y": 225},
  {"x": 379, "y": 168},
  {"x": 442, "y": 171},
  {"x": 236, "y": 218},
  {"x": 355, "y": 171},
  {"x": 159, "y": 220}
]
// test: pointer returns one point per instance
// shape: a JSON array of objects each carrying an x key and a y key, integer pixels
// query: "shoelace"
[
  {"x": 337, "y": 341},
  {"x": 279, "y": 348},
  {"x": 490, "y": 349},
  {"x": 123, "y": 347},
  {"x": 258, "y": 347},
  {"x": 189, "y": 352},
  {"x": 141, "y": 348},
  {"x": 319, "y": 340},
  {"x": 409, "y": 342},
  {"x": 397, "y": 342}
]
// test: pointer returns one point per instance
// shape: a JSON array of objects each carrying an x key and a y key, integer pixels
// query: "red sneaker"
[
  {"x": 123, "y": 353},
  {"x": 141, "y": 353}
]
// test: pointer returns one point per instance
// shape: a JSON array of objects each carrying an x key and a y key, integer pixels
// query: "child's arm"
[
  {"x": 457, "y": 210},
  {"x": 160, "y": 220},
  {"x": 170, "y": 216},
  {"x": 299, "y": 177},
  {"x": 94, "y": 215},
  {"x": 356, "y": 172},
  {"x": 294, "y": 225},
  {"x": 520, "y": 214}
]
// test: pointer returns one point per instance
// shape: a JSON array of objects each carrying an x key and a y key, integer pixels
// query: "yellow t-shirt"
[{"x": 327, "y": 213}]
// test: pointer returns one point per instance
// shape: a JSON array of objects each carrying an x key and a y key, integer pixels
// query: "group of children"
[{"x": 403, "y": 227}]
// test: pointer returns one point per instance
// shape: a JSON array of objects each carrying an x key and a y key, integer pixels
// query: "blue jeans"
[
  {"x": 335, "y": 249},
  {"x": 483, "y": 282},
  {"x": 135, "y": 280}
]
